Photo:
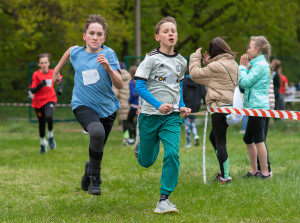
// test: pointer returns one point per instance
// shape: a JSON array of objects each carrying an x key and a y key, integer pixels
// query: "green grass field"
[{"x": 42, "y": 188}]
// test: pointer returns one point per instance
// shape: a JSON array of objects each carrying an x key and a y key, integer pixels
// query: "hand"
[
  {"x": 206, "y": 58},
  {"x": 30, "y": 95},
  {"x": 199, "y": 50},
  {"x": 57, "y": 80},
  {"x": 244, "y": 60},
  {"x": 165, "y": 108},
  {"x": 101, "y": 59},
  {"x": 185, "y": 111}
]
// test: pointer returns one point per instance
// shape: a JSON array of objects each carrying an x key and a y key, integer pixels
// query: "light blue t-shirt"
[{"x": 92, "y": 83}]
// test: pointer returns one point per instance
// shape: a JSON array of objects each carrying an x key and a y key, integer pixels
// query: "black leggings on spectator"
[
  {"x": 218, "y": 138},
  {"x": 266, "y": 132},
  {"x": 131, "y": 124},
  {"x": 256, "y": 132}
]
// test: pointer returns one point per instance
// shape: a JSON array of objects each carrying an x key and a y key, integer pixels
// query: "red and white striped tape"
[
  {"x": 295, "y": 115},
  {"x": 28, "y": 104}
]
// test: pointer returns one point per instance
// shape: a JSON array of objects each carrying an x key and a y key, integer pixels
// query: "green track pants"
[{"x": 164, "y": 128}]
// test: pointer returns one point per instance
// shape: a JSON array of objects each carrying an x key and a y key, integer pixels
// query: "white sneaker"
[
  {"x": 130, "y": 141},
  {"x": 164, "y": 207},
  {"x": 188, "y": 145}
]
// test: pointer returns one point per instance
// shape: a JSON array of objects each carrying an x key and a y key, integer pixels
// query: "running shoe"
[
  {"x": 164, "y": 207},
  {"x": 250, "y": 175},
  {"x": 130, "y": 142},
  {"x": 44, "y": 147},
  {"x": 188, "y": 145},
  {"x": 94, "y": 186},
  {"x": 52, "y": 143},
  {"x": 264, "y": 177},
  {"x": 219, "y": 179}
]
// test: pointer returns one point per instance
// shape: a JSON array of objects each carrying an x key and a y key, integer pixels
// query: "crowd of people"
[{"x": 104, "y": 89}]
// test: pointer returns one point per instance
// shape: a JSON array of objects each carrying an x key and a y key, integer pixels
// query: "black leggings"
[
  {"x": 98, "y": 129},
  {"x": 131, "y": 124},
  {"x": 268, "y": 160},
  {"x": 45, "y": 114},
  {"x": 255, "y": 130},
  {"x": 218, "y": 138}
]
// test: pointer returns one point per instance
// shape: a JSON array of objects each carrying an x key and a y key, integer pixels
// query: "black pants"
[
  {"x": 45, "y": 114},
  {"x": 218, "y": 138},
  {"x": 131, "y": 123},
  {"x": 256, "y": 132},
  {"x": 268, "y": 160},
  {"x": 98, "y": 129}
]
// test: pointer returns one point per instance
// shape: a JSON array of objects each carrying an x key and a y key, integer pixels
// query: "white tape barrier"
[{"x": 28, "y": 104}]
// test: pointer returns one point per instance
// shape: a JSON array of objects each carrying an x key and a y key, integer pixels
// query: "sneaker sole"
[
  {"x": 224, "y": 182},
  {"x": 158, "y": 211}
]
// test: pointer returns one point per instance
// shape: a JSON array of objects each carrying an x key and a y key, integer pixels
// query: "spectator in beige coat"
[
  {"x": 123, "y": 96},
  {"x": 220, "y": 75}
]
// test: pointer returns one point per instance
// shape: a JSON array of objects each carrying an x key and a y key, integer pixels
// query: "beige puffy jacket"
[
  {"x": 271, "y": 95},
  {"x": 123, "y": 95},
  {"x": 219, "y": 84}
]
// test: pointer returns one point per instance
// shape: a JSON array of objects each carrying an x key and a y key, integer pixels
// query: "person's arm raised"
[{"x": 56, "y": 73}]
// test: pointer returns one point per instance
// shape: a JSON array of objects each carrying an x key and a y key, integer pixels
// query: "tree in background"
[{"x": 30, "y": 27}]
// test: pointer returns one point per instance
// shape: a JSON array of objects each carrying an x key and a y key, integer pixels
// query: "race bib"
[
  {"x": 49, "y": 83},
  {"x": 90, "y": 76}
]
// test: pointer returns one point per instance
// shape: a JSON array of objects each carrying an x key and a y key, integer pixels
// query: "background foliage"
[{"x": 31, "y": 27}]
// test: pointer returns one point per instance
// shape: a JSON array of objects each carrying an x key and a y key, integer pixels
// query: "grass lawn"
[{"x": 43, "y": 188}]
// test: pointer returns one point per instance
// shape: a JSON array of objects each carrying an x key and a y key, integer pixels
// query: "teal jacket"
[{"x": 256, "y": 83}]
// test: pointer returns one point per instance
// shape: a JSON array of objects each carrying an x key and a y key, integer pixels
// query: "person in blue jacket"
[{"x": 256, "y": 82}]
